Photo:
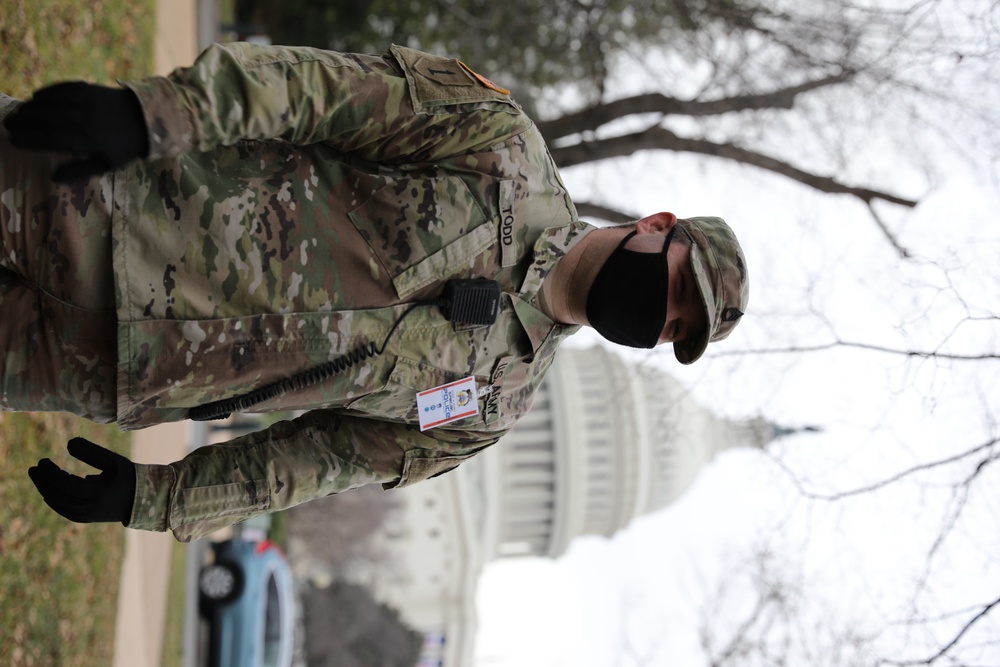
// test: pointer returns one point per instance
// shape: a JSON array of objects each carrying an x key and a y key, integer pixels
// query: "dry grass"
[
  {"x": 96, "y": 40},
  {"x": 59, "y": 580}
]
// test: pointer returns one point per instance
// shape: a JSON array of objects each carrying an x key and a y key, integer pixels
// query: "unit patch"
[{"x": 483, "y": 80}]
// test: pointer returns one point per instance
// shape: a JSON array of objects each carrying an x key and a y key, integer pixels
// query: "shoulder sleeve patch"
[{"x": 435, "y": 81}]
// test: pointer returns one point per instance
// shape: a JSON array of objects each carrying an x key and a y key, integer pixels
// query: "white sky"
[{"x": 818, "y": 268}]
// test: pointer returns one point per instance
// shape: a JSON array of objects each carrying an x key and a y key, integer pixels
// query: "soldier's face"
[{"x": 685, "y": 310}]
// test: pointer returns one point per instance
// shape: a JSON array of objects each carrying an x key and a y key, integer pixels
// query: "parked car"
[{"x": 246, "y": 595}]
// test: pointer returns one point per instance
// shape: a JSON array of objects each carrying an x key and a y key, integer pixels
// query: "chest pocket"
[{"x": 423, "y": 229}]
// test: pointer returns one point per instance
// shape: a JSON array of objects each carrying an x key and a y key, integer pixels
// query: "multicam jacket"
[{"x": 294, "y": 203}]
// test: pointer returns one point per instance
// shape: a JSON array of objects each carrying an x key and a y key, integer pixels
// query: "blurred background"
[{"x": 820, "y": 489}]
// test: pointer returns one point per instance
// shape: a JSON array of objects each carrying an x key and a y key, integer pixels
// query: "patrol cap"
[{"x": 720, "y": 271}]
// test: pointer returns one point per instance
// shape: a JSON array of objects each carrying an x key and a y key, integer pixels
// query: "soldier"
[{"x": 282, "y": 229}]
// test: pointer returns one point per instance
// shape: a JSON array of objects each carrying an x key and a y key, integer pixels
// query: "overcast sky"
[{"x": 820, "y": 270}]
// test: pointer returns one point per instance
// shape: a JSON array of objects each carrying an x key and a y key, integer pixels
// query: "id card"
[{"x": 447, "y": 403}]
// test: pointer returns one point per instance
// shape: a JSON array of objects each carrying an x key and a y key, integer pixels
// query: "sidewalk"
[
  {"x": 142, "y": 595},
  {"x": 142, "y": 598}
]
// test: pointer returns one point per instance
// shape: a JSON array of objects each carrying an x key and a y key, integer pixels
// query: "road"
[{"x": 146, "y": 568}]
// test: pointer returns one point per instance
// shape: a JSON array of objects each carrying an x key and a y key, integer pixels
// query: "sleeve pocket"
[
  {"x": 221, "y": 500},
  {"x": 418, "y": 466}
]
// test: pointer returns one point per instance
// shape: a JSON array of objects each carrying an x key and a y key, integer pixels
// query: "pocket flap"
[
  {"x": 447, "y": 261},
  {"x": 419, "y": 465}
]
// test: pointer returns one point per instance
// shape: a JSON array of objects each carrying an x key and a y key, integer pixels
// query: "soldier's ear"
[{"x": 658, "y": 223}]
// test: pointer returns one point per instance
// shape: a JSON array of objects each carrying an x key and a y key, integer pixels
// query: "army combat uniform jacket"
[{"x": 294, "y": 204}]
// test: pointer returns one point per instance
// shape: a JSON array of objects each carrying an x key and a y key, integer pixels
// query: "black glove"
[
  {"x": 105, "y": 497},
  {"x": 103, "y": 128}
]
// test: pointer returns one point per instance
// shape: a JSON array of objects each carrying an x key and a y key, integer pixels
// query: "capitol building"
[{"x": 605, "y": 441}]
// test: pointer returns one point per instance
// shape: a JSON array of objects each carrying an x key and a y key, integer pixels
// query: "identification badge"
[{"x": 447, "y": 403}]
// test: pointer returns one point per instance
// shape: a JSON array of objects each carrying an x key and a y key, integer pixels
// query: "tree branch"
[
  {"x": 903, "y": 252},
  {"x": 861, "y": 346},
  {"x": 663, "y": 139},
  {"x": 594, "y": 117},
  {"x": 947, "y": 647},
  {"x": 888, "y": 480}
]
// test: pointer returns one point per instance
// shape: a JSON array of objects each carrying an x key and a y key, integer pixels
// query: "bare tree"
[
  {"x": 912, "y": 355},
  {"x": 634, "y": 648},
  {"x": 963, "y": 630},
  {"x": 762, "y": 613},
  {"x": 918, "y": 82},
  {"x": 803, "y": 76},
  {"x": 338, "y": 532},
  {"x": 346, "y": 627},
  {"x": 772, "y": 627},
  {"x": 940, "y": 606}
]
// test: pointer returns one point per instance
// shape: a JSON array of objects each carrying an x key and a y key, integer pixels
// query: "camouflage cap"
[{"x": 720, "y": 271}]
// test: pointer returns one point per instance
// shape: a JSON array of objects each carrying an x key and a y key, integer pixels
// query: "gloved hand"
[
  {"x": 105, "y": 497},
  {"x": 102, "y": 128}
]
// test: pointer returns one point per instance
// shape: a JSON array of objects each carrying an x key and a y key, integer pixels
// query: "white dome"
[{"x": 605, "y": 442}]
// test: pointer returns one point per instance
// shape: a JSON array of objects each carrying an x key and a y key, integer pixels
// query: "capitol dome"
[{"x": 605, "y": 441}]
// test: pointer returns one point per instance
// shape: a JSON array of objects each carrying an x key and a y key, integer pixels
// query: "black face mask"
[{"x": 627, "y": 303}]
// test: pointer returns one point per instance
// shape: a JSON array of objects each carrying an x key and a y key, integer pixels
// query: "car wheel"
[{"x": 220, "y": 583}]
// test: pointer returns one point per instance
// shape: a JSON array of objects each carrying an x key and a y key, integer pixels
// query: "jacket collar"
[{"x": 551, "y": 246}]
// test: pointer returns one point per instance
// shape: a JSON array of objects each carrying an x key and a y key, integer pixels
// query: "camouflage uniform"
[
  {"x": 57, "y": 329},
  {"x": 293, "y": 204}
]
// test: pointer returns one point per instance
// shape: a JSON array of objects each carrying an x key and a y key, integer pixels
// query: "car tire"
[{"x": 219, "y": 584}]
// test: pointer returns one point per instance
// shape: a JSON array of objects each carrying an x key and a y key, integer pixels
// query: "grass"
[
  {"x": 51, "y": 40},
  {"x": 59, "y": 580},
  {"x": 173, "y": 632}
]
